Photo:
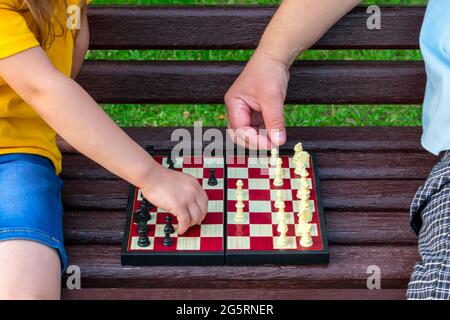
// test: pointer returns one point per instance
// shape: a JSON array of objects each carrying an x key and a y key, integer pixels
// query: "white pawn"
[
  {"x": 306, "y": 239},
  {"x": 278, "y": 180},
  {"x": 282, "y": 240},
  {"x": 239, "y": 216},
  {"x": 279, "y": 199},
  {"x": 282, "y": 228},
  {"x": 273, "y": 157},
  {"x": 281, "y": 216}
]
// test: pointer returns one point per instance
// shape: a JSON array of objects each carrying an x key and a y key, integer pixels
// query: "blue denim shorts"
[{"x": 30, "y": 202}]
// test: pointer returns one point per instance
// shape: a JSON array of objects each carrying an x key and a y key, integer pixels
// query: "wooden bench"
[{"x": 368, "y": 174}]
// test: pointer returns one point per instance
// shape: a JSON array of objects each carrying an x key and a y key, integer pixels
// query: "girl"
[{"x": 39, "y": 57}]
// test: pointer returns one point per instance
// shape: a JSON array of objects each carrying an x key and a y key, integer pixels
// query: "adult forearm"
[
  {"x": 298, "y": 24},
  {"x": 83, "y": 124}
]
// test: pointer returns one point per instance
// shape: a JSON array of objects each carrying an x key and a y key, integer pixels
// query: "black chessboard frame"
[{"x": 278, "y": 257}]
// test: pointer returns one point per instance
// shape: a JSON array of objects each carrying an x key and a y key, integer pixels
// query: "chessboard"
[{"x": 250, "y": 220}]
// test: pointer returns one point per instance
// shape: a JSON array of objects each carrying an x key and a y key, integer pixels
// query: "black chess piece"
[
  {"x": 141, "y": 217},
  {"x": 150, "y": 149},
  {"x": 171, "y": 163},
  {"x": 168, "y": 228},
  {"x": 212, "y": 181},
  {"x": 168, "y": 241}
]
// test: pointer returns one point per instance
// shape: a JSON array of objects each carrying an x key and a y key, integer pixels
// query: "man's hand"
[
  {"x": 179, "y": 194},
  {"x": 256, "y": 101}
]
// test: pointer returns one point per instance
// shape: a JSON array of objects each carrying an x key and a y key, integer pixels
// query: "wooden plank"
[
  {"x": 349, "y": 195},
  {"x": 351, "y": 228},
  {"x": 317, "y": 139},
  {"x": 100, "y": 267},
  {"x": 346, "y": 82},
  {"x": 332, "y": 165},
  {"x": 233, "y": 294},
  {"x": 239, "y": 27}
]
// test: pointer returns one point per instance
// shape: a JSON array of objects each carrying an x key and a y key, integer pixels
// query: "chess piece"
[
  {"x": 278, "y": 180},
  {"x": 304, "y": 184},
  {"x": 279, "y": 199},
  {"x": 168, "y": 228},
  {"x": 170, "y": 163},
  {"x": 141, "y": 218},
  {"x": 273, "y": 157},
  {"x": 239, "y": 216},
  {"x": 212, "y": 181},
  {"x": 282, "y": 227},
  {"x": 239, "y": 186},
  {"x": 298, "y": 148},
  {"x": 305, "y": 209},
  {"x": 306, "y": 239},
  {"x": 282, "y": 224},
  {"x": 303, "y": 192},
  {"x": 168, "y": 241}
]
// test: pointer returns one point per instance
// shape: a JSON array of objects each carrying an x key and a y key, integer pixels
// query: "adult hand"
[{"x": 256, "y": 101}]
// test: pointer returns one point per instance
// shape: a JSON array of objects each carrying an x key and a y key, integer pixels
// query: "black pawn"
[
  {"x": 212, "y": 181},
  {"x": 171, "y": 163},
  {"x": 168, "y": 241},
  {"x": 169, "y": 227}
]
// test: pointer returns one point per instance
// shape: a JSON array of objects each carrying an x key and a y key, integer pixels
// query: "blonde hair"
[{"x": 48, "y": 24}]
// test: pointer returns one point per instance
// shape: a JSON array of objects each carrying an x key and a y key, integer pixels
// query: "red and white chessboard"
[
  {"x": 199, "y": 242},
  {"x": 219, "y": 240},
  {"x": 256, "y": 239}
]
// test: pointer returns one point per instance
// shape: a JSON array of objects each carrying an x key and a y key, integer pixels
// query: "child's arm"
[
  {"x": 79, "y": 54},
  {"x": 257, "y": 97},
  {"x": 81, "y": 46},
  {"x": 66, "y": 107}
]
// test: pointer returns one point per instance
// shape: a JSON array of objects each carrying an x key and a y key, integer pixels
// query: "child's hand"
[
  {"x": 256, "y": 101},
  {"x": 179, "y": 194}
]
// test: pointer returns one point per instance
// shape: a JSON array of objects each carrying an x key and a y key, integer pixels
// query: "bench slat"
[
  {"x": 354, "y": 195},
  {"x": 345, "y": 82},
  {"x": 352, "y": 228},
  {"x": 370, "y": 139},
  {"x": 333, "y": 165},
  {"x": 101, "y": 268},
  {"x": 241, "y": 27},
  {"x": 233, "y": 294}
]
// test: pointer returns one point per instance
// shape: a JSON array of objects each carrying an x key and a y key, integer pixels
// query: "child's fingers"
[
  {"x": 196, "y": 213},
  {"x": 203, "y": 205},
  {"x": 184, "y": 220}
]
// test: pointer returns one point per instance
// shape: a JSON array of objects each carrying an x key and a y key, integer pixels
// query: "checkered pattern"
[
  {"x": 208, "y": 237},
  {"x": 430, "y": 219},
  {"x": 258, "y": 232}
]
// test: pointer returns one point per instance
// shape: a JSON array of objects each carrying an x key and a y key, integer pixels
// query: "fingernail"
[{"x": 277, "y": 137}]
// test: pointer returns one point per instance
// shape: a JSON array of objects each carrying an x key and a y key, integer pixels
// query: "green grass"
[{"x": 296, "y": 115}]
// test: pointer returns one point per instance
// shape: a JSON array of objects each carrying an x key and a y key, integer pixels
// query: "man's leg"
[
  {"x": 29, "y": 270},
  {"x": 430, "y": 213}
]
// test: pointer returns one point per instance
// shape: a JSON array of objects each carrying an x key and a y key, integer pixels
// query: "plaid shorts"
[{"x": 430, "y": 220}]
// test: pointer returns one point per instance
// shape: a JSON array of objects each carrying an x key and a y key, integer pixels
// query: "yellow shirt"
[{"x": 21, "y": 128}]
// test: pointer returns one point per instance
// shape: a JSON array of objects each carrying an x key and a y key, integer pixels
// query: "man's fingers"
[{"x": 273, "y": 113}]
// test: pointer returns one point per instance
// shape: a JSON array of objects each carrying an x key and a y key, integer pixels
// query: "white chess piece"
[
  {"x": 279, "y": 199},
  {"x": 306, "y": 239},
  {"x": 239, "y": 217},
  {"x": 298, "y": 148},
  {"x": 279, "y": 173},
  {"x": 273, "y": 157}
]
